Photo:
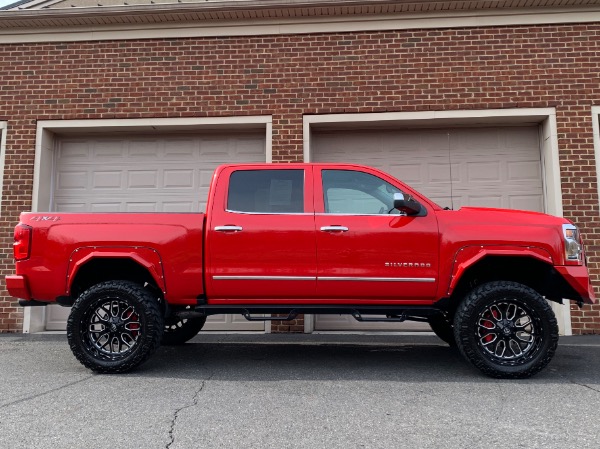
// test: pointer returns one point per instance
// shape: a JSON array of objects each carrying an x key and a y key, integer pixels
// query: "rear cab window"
[{"x": 266, "y": 191}]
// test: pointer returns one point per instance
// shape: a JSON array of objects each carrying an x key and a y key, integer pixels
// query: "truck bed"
[{"x": 61, "y": 242}]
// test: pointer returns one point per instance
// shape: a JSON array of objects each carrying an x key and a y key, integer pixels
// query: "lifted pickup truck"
[{"x": 289, "y": 239}]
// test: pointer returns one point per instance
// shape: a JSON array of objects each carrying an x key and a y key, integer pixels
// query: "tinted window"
[
  {"x": 266, "y": 191},
  {"x": 353, "y": 192}
]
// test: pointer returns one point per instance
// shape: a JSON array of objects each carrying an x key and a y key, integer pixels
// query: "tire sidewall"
[
  {"x": 465, "y": 328},
  {"x": 150, "y": 332}
]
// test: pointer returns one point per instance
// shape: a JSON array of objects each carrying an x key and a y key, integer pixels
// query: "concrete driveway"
[{"x": 295, "y": 391}]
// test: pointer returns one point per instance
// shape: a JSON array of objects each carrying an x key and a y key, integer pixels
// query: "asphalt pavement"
[{"x": 295, "y": 391}]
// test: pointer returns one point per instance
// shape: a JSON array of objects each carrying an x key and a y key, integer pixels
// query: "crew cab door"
[
  {"x": 261, "y": 235},
  {"x": 367, "y": 250}
]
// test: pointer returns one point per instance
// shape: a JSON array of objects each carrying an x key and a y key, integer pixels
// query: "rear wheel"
[
  {"x": 443, "y": 328},
  {"x": 179, "y": 330},
  {"x": 114, "y": 326},
  {"x": 507, "y": 330}
]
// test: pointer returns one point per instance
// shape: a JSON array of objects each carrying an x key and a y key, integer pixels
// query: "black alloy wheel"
[
  {"x": 506, "y": 329},
  {"x": 114, "y": 326}
]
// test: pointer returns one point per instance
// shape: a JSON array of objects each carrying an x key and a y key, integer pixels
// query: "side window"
[
  {"x": 266, "y": 191},
  {"x": 354, "y": 192}
]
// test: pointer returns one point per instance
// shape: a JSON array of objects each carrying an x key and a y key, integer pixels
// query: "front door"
[
  {"x": 261, "y": 236},
  {"x": 366, "y": 250}
]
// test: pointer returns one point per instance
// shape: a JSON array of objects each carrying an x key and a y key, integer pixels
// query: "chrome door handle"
[
  {"x": 334, "y": 228},
  {"x": 228, "y": 228}
]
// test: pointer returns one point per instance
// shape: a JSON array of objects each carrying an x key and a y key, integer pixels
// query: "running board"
[{"x": 254, "y": 312}]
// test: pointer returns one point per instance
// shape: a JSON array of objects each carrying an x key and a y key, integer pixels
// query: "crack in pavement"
[
  {"x": 583, "y": 385},
  {"x": 577, "y": 383},
  {"x": 28, "y": 398},
  {"x": 176, "y": 414}
]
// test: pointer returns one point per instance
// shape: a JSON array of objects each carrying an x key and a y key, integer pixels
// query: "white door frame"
[
  {"x": 545, "y": 118},
  {"x": 3, "y": 129},
  {"x": 596, "y": 131},
  {"x": 34, "y": 319}
]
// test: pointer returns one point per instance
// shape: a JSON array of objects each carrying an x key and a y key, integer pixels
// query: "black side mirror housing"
[{"x": 406, "y": 204}]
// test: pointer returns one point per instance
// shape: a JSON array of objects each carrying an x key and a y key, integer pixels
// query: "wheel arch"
[
  {"x": 537, "y": 273},
  {"x": 90, "y": 266}
]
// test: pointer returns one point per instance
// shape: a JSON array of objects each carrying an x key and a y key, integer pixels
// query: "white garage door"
[
  {"x": 490, "y": 167},
  {"x": 170, "y": 173}
]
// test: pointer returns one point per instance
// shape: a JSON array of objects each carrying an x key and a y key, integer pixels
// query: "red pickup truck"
[{"x": 290, "y": 239}]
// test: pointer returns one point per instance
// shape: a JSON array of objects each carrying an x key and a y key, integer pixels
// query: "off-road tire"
[
  {"x": 115, "y": 326},
  {"x": 490, "y": 332},
  {"x": 180, "y": 330},
  {"x": 443, "y": 329}
]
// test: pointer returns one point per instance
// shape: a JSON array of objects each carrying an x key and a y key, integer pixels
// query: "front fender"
[
  {"x": 145, "y": 257},
  {"x": 468, "y": 256}
]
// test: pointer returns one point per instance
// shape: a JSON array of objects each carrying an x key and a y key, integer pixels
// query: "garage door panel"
[
  {"x": 235, "y": 322},
  {"x": 490, "y": 200},
  {"x": 180, "y": 206},
  {"x": 476, "y": 140},
  {"x": 522, "y": 139},
  {"x": 179, "y": 150},
  {"x": 523, "y": 171},
  {"x": 205, "y": 178},
  {"x": 75, "y": 149},
  {"x": 143, "y": 148},
  {"x": 490, "y": 167},
  {"x": 526, "y": 202},
  {"x": 110, "y": 149},
  {"x": 179, "y": 179},
  {"x": 70, "y": 207},
  {"x": 104, "y": 207},
  {"x": 74, "y": 180},
  {"x": 483, "y": 172},
  {"x": 112, "y": 179},
  {"x": 141, "y": 207},
  {"x": 143, "y": 179},
  {"x": 146, "y": 174}
]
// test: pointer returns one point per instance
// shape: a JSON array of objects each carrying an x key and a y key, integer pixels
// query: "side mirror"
[{"x": 406, "y": 204}]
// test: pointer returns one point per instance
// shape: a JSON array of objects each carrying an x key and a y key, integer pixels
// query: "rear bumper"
[
  {"x": 17, "y": 287},
  {"x": 579, "y": 279}
]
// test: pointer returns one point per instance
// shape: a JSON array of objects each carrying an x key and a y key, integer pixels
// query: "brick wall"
[{"x": 288, "y": 76}]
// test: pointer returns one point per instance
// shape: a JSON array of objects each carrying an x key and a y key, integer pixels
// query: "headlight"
[{"x": 572, "y": 242}]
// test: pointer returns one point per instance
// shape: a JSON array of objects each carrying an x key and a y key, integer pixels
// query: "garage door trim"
[
  {"x": 3, "y": 128},
  {"x": 596, "y": 132}
]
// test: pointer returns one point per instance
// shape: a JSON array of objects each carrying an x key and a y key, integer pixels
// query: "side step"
[{"x": 363, "y": 313}]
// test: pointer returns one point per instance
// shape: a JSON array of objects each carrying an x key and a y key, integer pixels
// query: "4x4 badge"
[{"x": 45, "y": 218}]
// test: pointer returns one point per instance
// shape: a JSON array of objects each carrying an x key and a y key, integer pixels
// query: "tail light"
[{"x": 22, "y": 244}]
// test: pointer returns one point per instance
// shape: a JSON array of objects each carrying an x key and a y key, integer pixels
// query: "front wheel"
[
  {"x": 114, "y": 326},
  {"x": 507, "y": 330}
]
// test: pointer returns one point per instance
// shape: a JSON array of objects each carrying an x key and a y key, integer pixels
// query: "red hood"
[
  {"x": 471, "y": 226},
  {"x": 488, "y": 215}
]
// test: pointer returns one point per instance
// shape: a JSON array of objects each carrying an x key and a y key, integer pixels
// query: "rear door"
[
  {"x": 261, "y": 237},
  {"x": 366, "y": 250}
]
